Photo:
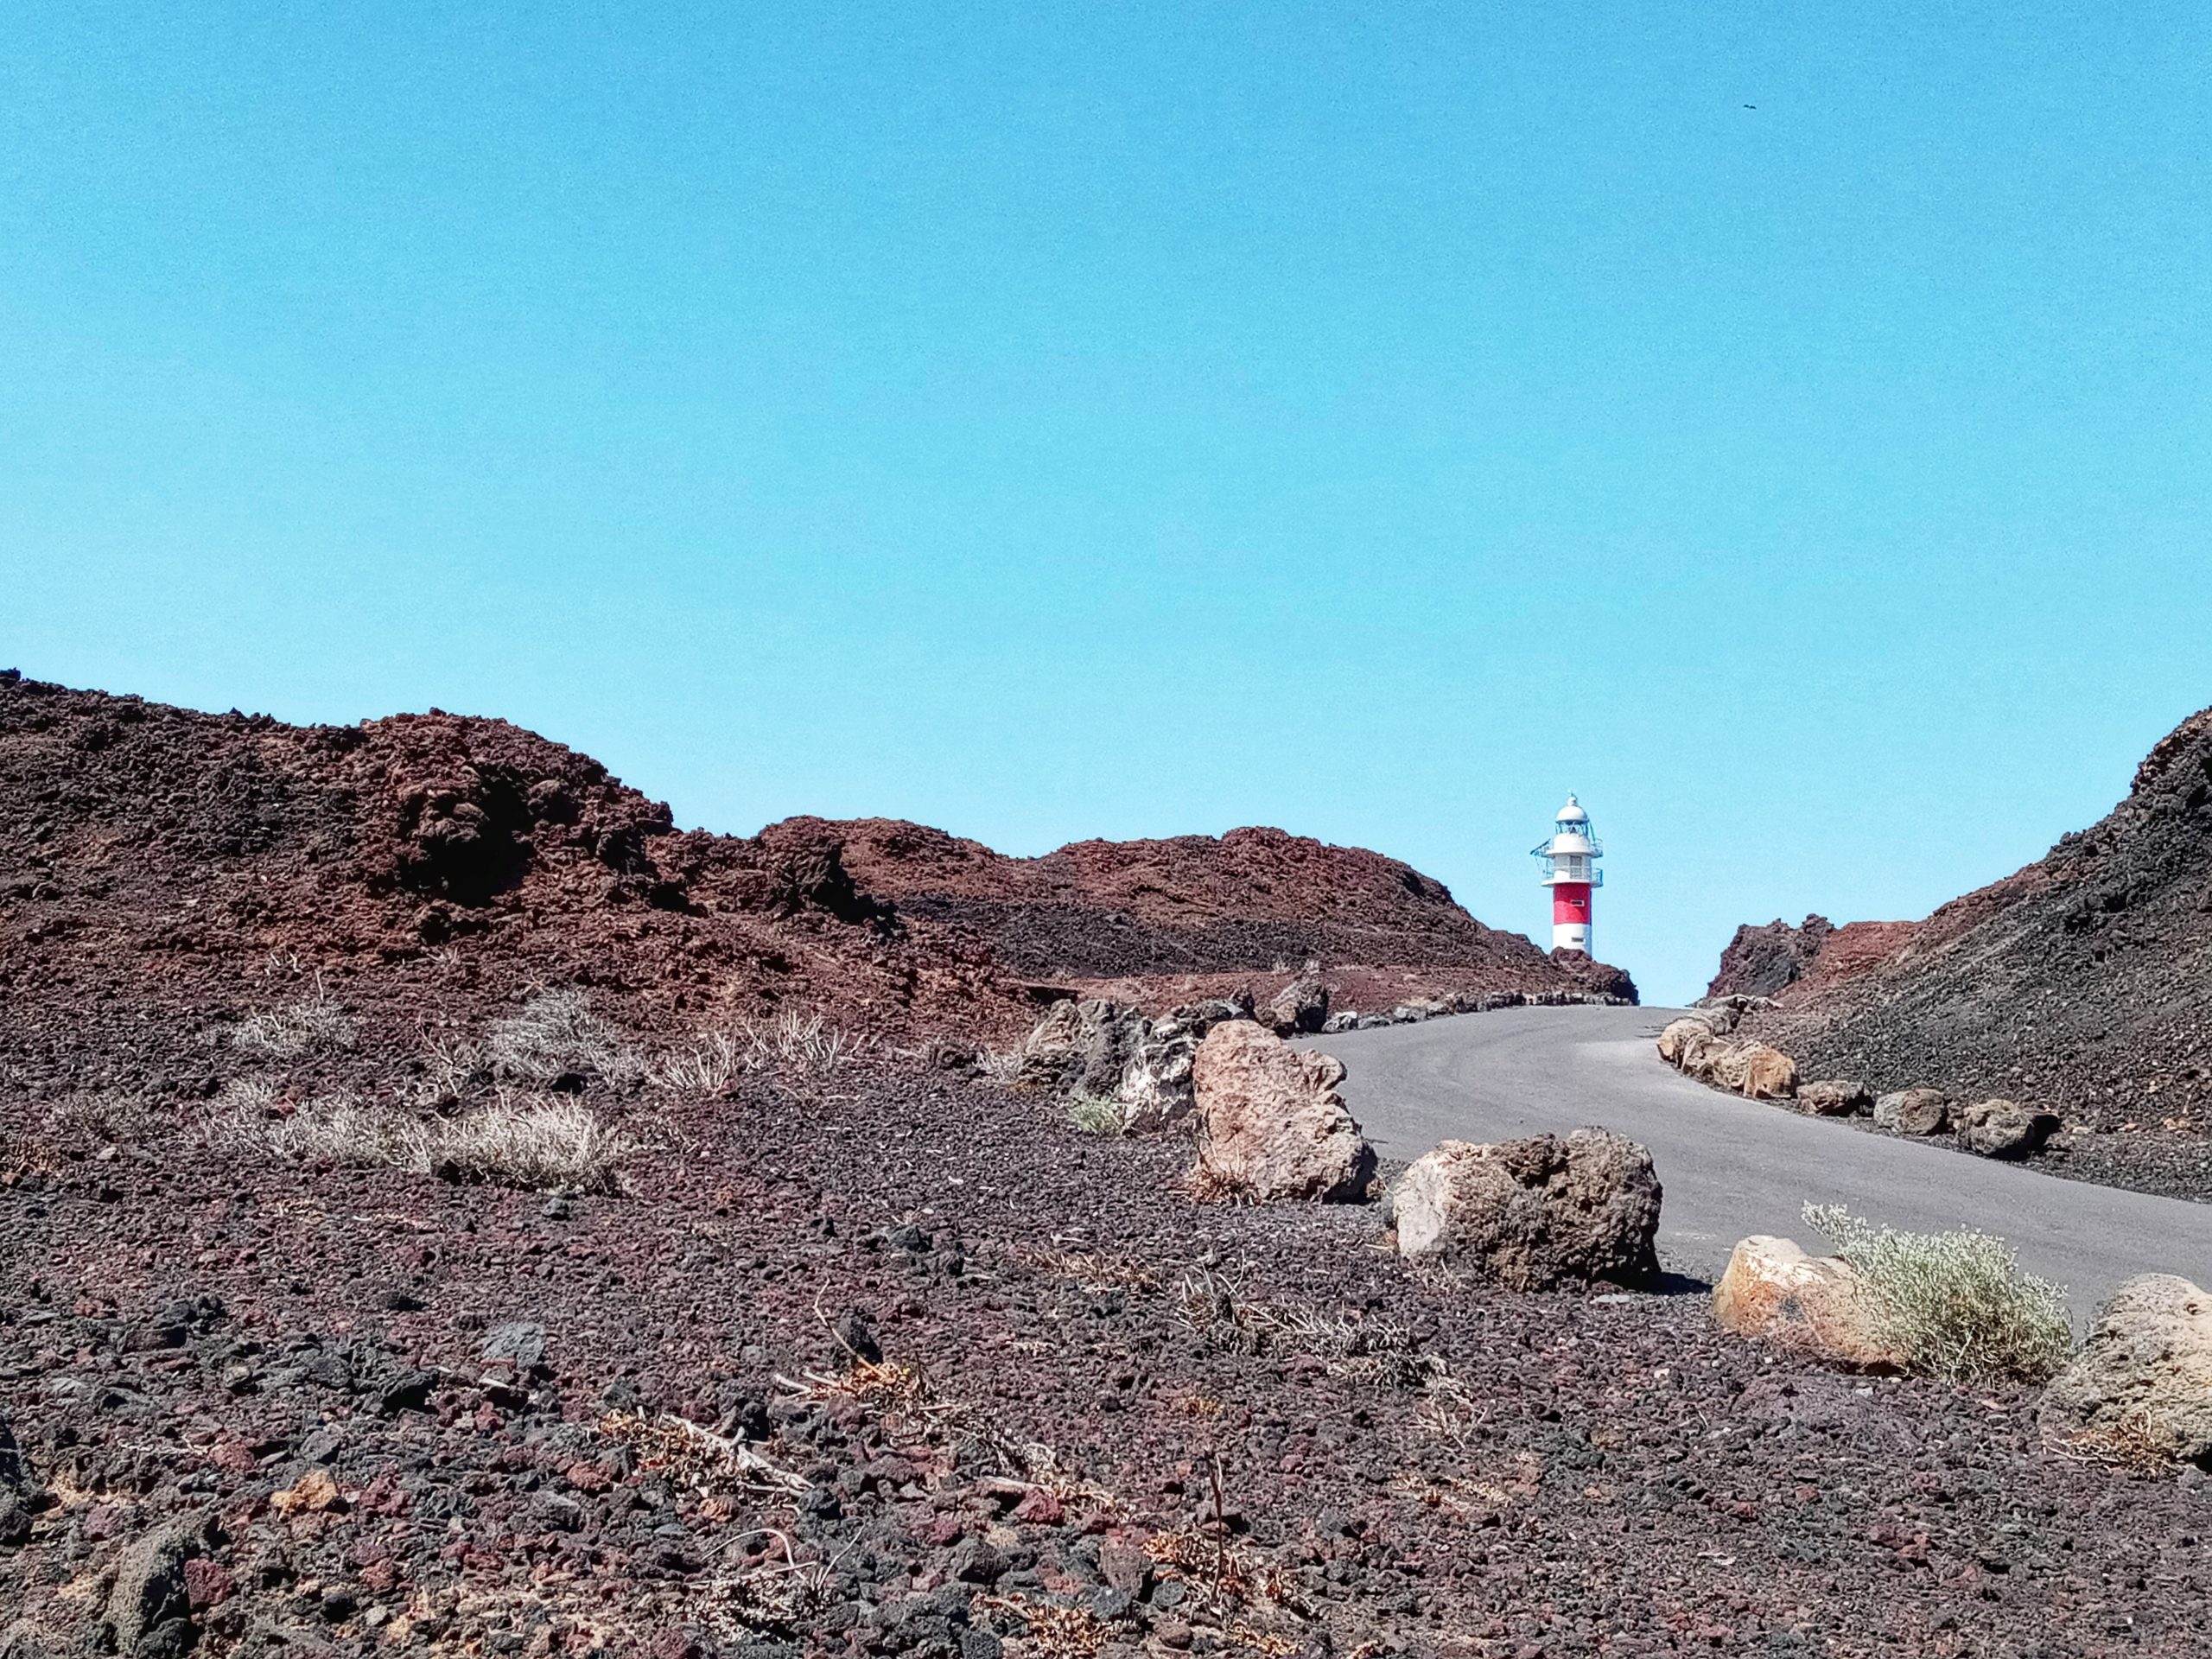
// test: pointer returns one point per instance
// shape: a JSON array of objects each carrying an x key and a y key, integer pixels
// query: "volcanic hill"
[
  {"x": 154, "y": 861},
  {"x": 2082, "y": 982}
]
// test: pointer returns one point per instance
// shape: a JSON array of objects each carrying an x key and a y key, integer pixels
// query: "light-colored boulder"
[
  {"x": 1682, "y": 1038},
  {"x": 1755, "y": 1070},
  {"x": 1535, "y": 1213},
  {"x": 1913, "y": 1111},
  {"x": 1725, "y": 1014},
  {"x": 2005, "y": 1129},
  {"x": 2145, "y": 1373},
  {"x": 1270, "y": 1122},
  {"x": 1835, "y": 1097},
  {"x": 1301, "y": 1008},
  {"x": 1809, "y": 1304},
  {"x": 1156, "y": 1089}
]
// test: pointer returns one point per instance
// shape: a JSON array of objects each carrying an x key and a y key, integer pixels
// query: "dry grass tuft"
[
  {"x": 1956, "y": 1305},
  {"x": 709, "y": 1067},
  {"x": 557, "y": 1035},
  {"x": 104, "y": 1118},
  {"x": 698, "y": 1458},
  {"x": 535, "y": 1143},
  {"x": 332, "y": 1128},
  {"x": 315, "y": 1024},
  {"x": 1213, "y": 1302},
  {"x": 794, "y": 1044},
  {"x": 452, "y": 1069}
]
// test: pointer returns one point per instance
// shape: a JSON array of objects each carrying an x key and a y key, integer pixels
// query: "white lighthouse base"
[{"x": 1572, "y": 936}]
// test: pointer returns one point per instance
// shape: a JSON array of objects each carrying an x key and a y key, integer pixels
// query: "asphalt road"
[{"x": 1732, "y": 1166}]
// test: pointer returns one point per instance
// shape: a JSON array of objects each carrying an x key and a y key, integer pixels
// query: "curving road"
[{"x": 1732, "y": 1166}]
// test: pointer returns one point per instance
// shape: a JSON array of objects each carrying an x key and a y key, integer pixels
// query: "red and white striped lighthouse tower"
[{"x": 1570, "y": 871}]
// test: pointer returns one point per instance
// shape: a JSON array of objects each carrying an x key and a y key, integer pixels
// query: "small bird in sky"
[{"x": 1751, "y": 106}]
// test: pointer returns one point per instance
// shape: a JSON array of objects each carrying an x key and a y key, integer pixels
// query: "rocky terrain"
[
  {"x": 1158, "y": 922},
  {"x": 445, "y": 1210},
  {"x": 874, "y": 1362},
  {"x": 2081, "y": 985}
]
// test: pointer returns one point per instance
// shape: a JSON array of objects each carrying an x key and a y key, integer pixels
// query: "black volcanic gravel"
[{"x": 257, "y": 1393}]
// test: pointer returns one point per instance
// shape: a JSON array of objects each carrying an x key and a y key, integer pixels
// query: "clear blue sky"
[{"x": 1047, "y": 421}]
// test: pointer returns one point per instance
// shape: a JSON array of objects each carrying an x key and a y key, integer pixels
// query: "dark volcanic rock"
[
  {"x": 1761, "y": 961},
  {"x": 1081, "y": 1048},
  {"x": 1535, "y": 1213},
  {"x": 149, "y": 1610},
  {"x": 2080, "y": 986},
  {"x": 1121, "y": 1389},
  {"x": 1105, "y": 1418},
  {"x": 1301, "y": 1008}
]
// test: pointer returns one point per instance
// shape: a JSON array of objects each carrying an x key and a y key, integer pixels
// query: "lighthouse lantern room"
[{"x": 1570, "y": 871}]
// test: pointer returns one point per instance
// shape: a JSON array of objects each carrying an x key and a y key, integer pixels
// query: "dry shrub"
[
  {"x": 1956, "y": 1305},
  {"x": 784, "y": 1595},
  {"x": 1213, "y": 1303},
  {"x": 105, "y": 1118},
  {"x": 315, "y": 1024},
  {"x": 1093, "y": 1269},
  {"x": 533, "y": 1142},
  {"x": 557, "y": 1035},
  {"x": 1052, "y": 1632},
  {"x": 913, "y": 1410},
  {"x": 1226, "y": 1581},
  {"x": 804, "y": 1045},
  {"x": 2127, "y": 1445},
  {"x": 1000, "y": 1065},
  {"x": 697, "y": 1457}
]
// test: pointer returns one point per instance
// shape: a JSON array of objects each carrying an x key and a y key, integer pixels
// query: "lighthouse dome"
[{"x": 1572, "y": 812}]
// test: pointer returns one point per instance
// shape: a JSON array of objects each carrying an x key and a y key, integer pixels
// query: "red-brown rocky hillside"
[
  {"x": 1162, "y": 920},
  {"x": 2082, "y": 982},
  {"x": 156, "y": 863}
]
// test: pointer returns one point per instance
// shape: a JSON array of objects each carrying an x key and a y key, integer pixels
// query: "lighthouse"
[{"x": 1570, "y": 871}]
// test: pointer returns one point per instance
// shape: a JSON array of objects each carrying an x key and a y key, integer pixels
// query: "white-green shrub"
[
  {"x": 1956, "y": 1304},
  {"x": 1089, "y": 1114}
]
